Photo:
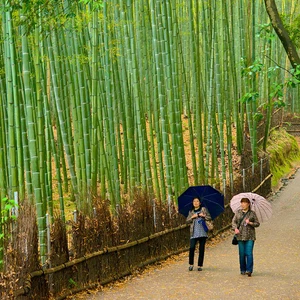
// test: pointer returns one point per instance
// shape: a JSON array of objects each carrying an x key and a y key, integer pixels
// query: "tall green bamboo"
[
  {"x": 210, "y": 132},
  {"x": 104, "y": 97},
  {"x": 110, "y": 137},
  {"x": 220, "y": 107},
  {"x": 229, "y": 87},
  {"x": 145, "y": 70},
  {"x": 196, "y": 78}
]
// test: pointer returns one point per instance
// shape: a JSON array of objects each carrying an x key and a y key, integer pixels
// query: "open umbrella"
[
  {"x": 259, "y": 204},
  {"x": 209, "y": 197}
]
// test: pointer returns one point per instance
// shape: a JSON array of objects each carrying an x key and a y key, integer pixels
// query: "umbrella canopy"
[
  {"x": 209, "y": 197},
  {"x": 259, "y": 204}
]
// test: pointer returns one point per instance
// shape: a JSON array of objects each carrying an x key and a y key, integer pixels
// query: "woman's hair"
[{"x": 245, "y": 200}]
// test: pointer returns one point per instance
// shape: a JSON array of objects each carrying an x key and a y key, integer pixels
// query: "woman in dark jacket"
[
  {"x": 243, "y": 224},
  {"x": 197, "y": 232}
]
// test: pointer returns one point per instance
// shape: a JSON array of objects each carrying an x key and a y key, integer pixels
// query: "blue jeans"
[{"x": 246, "y": 255}]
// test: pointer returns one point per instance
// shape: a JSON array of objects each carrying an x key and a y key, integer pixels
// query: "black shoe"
[
  {"x": 190, "y": 268},
  {"x": 243, "y": 273},
  {"x": 249, "y": 274},
  {"x": 199, "y": 269}
]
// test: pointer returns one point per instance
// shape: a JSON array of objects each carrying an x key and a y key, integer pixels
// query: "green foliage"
[
  {"x": 53, "y": 12},
  {"x": 7, "y": 206},
  {"x": 277, "y": 95},
  {"x": 271, "y": 71},
  {"x": 96, "y": 4},
  {"x": 133, "y": 66},
  {"x": 72, "y": 283},
  {"x": 295, "y": 80},
  {"x": 251, "y": 96},
  {"x": 292, "y": 25},
  {"x": 258, "y": 116},
  {"x": 266, "y": 31},
  {"x": 277, "y": 90},
  {"x": 248, "y": 71}
]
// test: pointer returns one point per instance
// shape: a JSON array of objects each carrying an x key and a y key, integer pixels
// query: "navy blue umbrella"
[{"x": 209, "y": 197}]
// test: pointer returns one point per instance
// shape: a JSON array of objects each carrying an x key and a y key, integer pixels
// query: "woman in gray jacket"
[
  {"x": 244, "y": 223},
  {"x": 198, "y": 232}
]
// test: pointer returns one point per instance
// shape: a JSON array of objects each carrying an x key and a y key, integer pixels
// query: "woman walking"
[
  {"x": 198, "y": 232},
  {"x": 243, "y": 224}
]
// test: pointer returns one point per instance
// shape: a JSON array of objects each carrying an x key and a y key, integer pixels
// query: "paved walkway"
[{"x": 276, "y": 264}]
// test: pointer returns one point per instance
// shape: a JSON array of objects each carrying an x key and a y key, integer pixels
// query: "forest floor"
[{"x": 276, "y": 264}]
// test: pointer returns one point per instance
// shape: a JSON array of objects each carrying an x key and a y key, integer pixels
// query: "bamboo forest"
[{"x": 103, "y": 98}]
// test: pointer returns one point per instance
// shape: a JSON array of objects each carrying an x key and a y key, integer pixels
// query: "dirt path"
[{"x": 276, "y": 264}]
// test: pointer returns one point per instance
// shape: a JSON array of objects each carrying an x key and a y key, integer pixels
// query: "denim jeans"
[
  {"x": 193, "y": 242},
  {"x": 246, "y": 255}
]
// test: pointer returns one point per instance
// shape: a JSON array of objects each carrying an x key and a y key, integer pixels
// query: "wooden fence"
[{"x": 121, "y": 254}]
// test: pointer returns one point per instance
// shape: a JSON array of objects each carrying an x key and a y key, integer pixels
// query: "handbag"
[
  {"x": 207, "y": 225},
  {"x": 203, "y": 223},
  {"x": 210, "y": 225},
  {"x": 234, "y": 239}
]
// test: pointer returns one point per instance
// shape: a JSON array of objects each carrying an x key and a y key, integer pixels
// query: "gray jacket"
[{"x": 191, "y": 221}]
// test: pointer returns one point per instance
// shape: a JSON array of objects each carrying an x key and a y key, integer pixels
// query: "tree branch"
[{"x": 282, "y": 33}]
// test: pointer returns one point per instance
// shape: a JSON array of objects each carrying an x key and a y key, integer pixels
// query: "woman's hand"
[
  {"x": 198, "y": 215},
  {"x": 247, "y": 221},
  {"x": 236, "y": 231}
]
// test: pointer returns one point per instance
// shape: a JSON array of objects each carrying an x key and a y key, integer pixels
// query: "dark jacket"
[{"x": 247, "y": 232}]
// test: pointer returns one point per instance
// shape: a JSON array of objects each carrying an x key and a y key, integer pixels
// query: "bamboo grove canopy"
[{"x": 102, "y": 97}]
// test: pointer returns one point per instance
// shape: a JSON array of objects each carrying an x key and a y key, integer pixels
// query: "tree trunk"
[{"x": 282, "y": 33}]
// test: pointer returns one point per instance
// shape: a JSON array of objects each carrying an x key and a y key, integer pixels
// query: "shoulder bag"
[{"x": 207, "y": 225}]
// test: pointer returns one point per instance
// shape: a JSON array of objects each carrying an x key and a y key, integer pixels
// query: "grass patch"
[{"x": 284, "y": 152}]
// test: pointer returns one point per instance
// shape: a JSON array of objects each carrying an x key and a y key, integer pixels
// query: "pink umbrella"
[{"x": 259, "y": 204}]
